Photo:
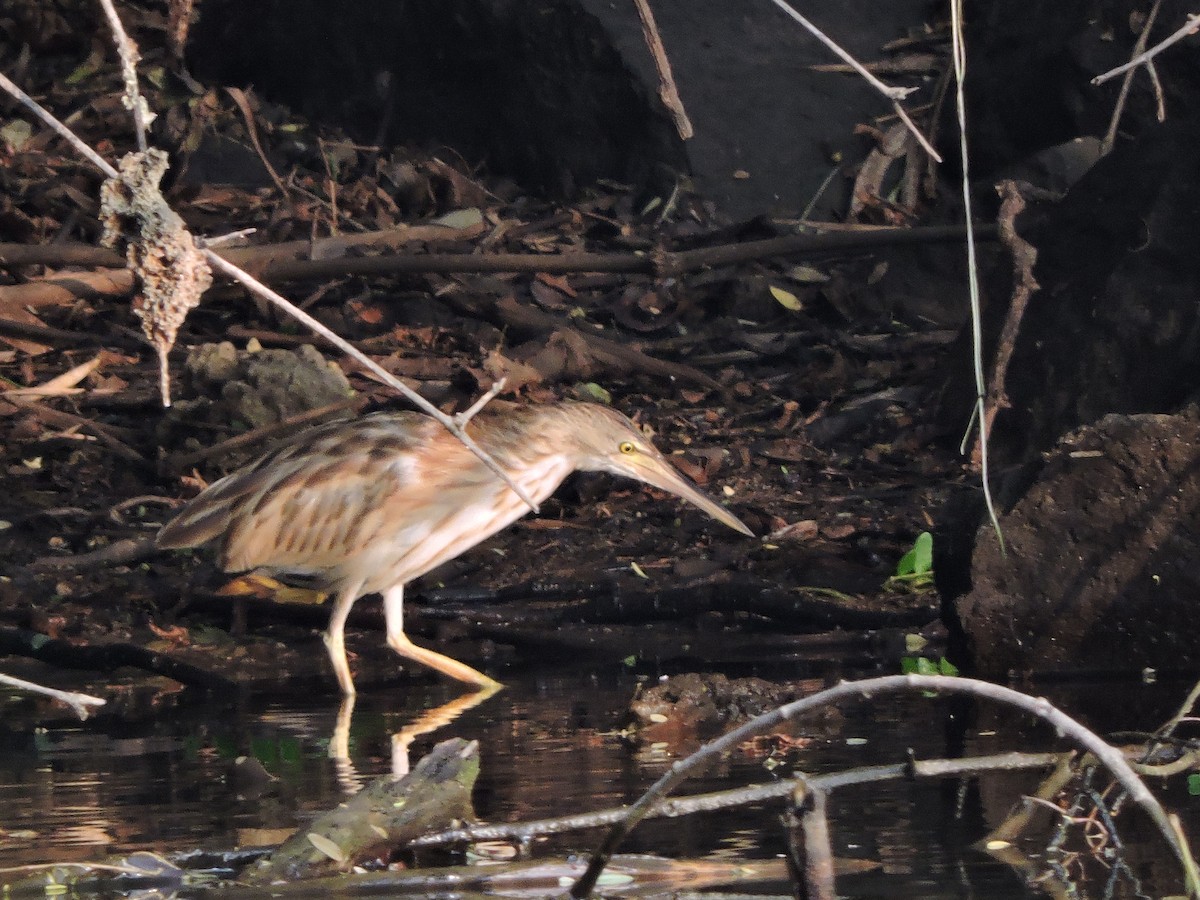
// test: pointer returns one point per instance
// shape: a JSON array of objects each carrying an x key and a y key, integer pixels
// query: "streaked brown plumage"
[{"x": 368, "y": 504}]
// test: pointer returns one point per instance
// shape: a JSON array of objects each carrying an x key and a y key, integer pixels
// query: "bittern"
[{"x": 368, "y": 504}]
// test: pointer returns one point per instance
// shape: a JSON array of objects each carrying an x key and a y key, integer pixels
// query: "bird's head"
[{"x": 609, "y": 442}]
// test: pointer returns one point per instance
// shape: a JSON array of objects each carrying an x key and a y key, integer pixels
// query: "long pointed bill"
[{"x": 661, "y": 474}]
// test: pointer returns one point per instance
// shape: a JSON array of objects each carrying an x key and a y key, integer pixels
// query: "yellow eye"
[{"x": 626, "y": 447}]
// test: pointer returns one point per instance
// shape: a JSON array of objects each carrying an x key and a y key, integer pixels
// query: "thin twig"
[
  {"x": 461, "y": 419},
  {"x": 978, "y": 414},
  {"x": 283, "y": 262},
  {"x": 1024, "y": 258},
  {"x": 1189, "y": 27},
  {"x": 133, "y": 99},
  {"x": 1111, "y": 757},
  {"x": 894, "y": 94},
  {"x": 1110, "y": 136},
  {"x": 61, "y": 419},
  {"x": 1160, "y": 97},
  {"x": 58, "y": 127},
  {"x": 78, "y": 702},
  {"x": 667, "y": 91}
]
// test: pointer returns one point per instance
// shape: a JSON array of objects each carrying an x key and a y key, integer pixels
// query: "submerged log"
[{"x": 384, "y": 816}]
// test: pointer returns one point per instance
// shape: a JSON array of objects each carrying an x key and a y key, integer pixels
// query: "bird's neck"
[
  {"x": 541, "y": 479},
  {"x": 535, "y": 445}
]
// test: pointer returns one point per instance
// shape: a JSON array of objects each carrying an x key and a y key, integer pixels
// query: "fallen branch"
[
  {"x": 284, "y": 262},
  {"x": 118, "y": 553},
  {"x": 256, "y": 259},
  {"x": 699, "y": 803},
  {"x": 384, "y": 815},
  {"x": 1109, "y": 756},
  {"x": 107, "y": 657}
]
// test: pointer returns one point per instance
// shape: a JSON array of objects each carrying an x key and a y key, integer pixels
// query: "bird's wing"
[{"x": 308, "y": 505}]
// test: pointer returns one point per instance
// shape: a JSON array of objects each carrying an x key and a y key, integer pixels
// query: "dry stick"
[
  {"x": 243, "y": 104},
  {"x": 77, "y": 702},
  {"x": 744, "y": 796},
  {"x": 1110, "y": 136},
  {"x": 237, "y": 274},
  {"x": 1021, "y": 817},
  {"x": 1189, "y": 27},
  {"x": 309, "y": 259},
  {"x": 255, "y": 258},
  {"x": 1024, "y": 256},
  {"x": 130, "y": 57},
  {"x": 1110, "y": 756},
  {"x": 667, "y": 91},
  {"x": 1160, "y": 100},
  {"x": 894, "y": 94},
  {"x": 64, "y": 289},
  {"x": 61, "y": 419},
  {"x": 107, "y": 657},
  {"x": 811, "y": 849},
  {"x": 608, "y": 352},
  {"x": 54, "y": 336},
  {"x": 662, "y": 264},
  {"x": 60, "y": 129}
]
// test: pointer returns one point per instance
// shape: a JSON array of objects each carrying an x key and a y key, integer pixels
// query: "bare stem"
[
  {"x": 130, "y": 57},
  {"x": 58, "y": 127},
  {"x": 894, "y": 94},
  {"x": 77, "y": 702},
  {"x": 667, "y": 90},
  {"x": 1188, "y": 27}
]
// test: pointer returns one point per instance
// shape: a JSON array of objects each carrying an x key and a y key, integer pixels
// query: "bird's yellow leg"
[
  {"x": 335, "y": 637},
  {"x": 393, "y": 611}
]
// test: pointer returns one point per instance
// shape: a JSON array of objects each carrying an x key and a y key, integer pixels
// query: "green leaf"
[
  {"x": 1193, "y": 783},
  {"x": 919, "y": 559},
  {"x": 596, "y": 392},
  {"x": 921, "y": 665}
]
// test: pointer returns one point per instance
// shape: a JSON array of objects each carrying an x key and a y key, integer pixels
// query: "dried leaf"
[
  {"x": 460, "y": 218},
  {"x": 59, "y": 385},
  {"x": 786, "y": 299},
  {"x": 326, "y": 846}
]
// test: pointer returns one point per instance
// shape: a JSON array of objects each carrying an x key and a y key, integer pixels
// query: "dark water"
[{"x": 156, "y": 775}]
